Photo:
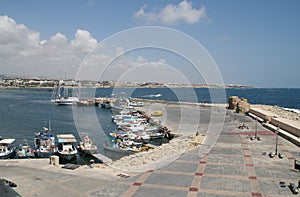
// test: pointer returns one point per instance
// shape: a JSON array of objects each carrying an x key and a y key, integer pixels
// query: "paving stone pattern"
[{"x": 235, "y": 166}]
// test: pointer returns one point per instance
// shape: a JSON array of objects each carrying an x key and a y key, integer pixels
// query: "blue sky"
[{"x": 252, "y": 42}]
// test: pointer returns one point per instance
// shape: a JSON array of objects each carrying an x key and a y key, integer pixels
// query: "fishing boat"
[
  {"x": 136, "y": 104},
  {"x": 120, "y": 104},
  {"x": 106, "y": 104},
  {"x": 157, "y": 113},
  {"x": 66, "y": 146},
  {"x": 87, "y": 146},
  {"x": 44, "y": 144},
  {"x": 114, "y": 151},
  {"x": 25, "y": 151},
  {"x": 6, "y": 149},
  {"x": 118, "y": 148}
]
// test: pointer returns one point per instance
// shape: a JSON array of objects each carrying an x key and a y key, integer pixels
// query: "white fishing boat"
[
  {"x": 25, "y": 151},
  {"x": 106, "y": 104},
  {"x": 6, "y": 149},
  {"x": 87, "y": 146},
  {"x": 120, "y": 104},
  {"x": 44, "y": 143},
  {"x": 136, "y": 104},
  {"x": 118, "y": 117},
  {"x": 66, "y": 146}
]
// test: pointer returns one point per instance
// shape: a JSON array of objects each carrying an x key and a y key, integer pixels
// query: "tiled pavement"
[{"x": 235, "y": 166}]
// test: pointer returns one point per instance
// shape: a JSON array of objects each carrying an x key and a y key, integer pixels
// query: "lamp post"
[
  {"x": 276, "y": 147},
  {"x": 256, "y": 132},
  {"x": 255, "y": 127}
]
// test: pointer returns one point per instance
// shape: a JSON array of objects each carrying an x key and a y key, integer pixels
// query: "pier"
[{"x": 102, "y": 158}]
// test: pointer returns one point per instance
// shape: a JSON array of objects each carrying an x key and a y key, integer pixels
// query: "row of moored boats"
[
  {"x": 45, "y": 145},
  {"x": 134, "y": 129}
]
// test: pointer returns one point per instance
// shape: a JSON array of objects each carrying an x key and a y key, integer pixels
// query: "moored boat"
[
  {"x": 118, "y": 148},
  {"x": 25, "y": 151},
  {"x": 106, "y": 104},
  {"x": 6, "y": 149},
  {"x": 44, "y": 144},
  {"x": 66, "y": 146},
  {"x": 60, "y": 96},
  {"x": 67, "y": 101},
  {"x": 87, "y": 102},
  {"x": 87, "y": 146}
]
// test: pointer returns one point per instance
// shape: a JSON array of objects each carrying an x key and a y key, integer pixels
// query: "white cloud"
[
  {"x": 146, "y": 71},
  {"x": 83, "y": 41},
  {"x": 12, "y": 33},
  {"x": 23, "y": 53},
  {"x": 172, "y": 14},
  {"x": 119, "y": 51},
  {"x": 59, "y": 39}
]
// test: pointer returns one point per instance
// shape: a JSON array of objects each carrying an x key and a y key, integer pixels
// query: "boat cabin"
[{"x": 66, "y": 142}]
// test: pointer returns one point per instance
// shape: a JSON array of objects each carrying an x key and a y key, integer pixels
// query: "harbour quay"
[{"x": 230, "y": 161}]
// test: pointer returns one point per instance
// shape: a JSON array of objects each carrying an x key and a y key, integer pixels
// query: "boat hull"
[
  {"x": 106, "y": 105},
  {"x": 9, "y": 154},
  {"x": 87, "y": 151},
  {"x": 67, "y": 156},
  {"x": 40, "y": 154}
]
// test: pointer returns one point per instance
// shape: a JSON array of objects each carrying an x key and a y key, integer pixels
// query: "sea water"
[{"x": 25, "y": 111}]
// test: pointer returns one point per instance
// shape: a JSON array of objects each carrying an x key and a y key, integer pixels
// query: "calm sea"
[{"x": 25, "y": 111}]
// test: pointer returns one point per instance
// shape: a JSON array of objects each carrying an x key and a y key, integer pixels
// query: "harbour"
[
  {"x": 253, "y": 174},
  {"x": 183, "y": 157},
  {"x": 153, "y": 98}
]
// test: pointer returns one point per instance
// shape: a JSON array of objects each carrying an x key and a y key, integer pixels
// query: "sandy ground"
[{"x": 292, "y": 117}]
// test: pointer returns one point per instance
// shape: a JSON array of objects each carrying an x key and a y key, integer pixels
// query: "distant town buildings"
[{"x": 18, "y": 82}]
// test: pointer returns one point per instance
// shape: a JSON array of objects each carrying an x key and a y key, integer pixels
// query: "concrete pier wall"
[
  {"x": 271, "y": 121},
  {"x": 266, "y": 116},
  {"x": 286, "y": 126},
  {"x": 269, "y": 117}
]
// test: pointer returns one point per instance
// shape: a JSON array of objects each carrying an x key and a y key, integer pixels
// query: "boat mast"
[{"x": 50, "y": 125}]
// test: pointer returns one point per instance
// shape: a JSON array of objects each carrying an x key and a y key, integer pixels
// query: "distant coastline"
[{"x": 6, "y": 83}]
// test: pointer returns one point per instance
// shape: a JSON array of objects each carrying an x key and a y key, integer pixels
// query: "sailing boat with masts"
[{"x": 64, "y": 99}]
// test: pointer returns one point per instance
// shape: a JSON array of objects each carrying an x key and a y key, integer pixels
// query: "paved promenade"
[{"x": 234, "y": 166}]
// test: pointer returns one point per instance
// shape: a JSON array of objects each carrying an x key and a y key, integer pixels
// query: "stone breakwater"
[
  {"x": 159, "y": 156},
  {"x": 181, "y": 103},
  {"x": 292, "y": 117}
]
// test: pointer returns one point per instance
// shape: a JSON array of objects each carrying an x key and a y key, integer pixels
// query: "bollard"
[
  {"x": 92, "y": 163},
  {"x": 54, "y": 160}
]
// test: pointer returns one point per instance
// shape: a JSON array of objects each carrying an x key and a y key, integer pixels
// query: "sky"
[{"x": 241, "y": 42}]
